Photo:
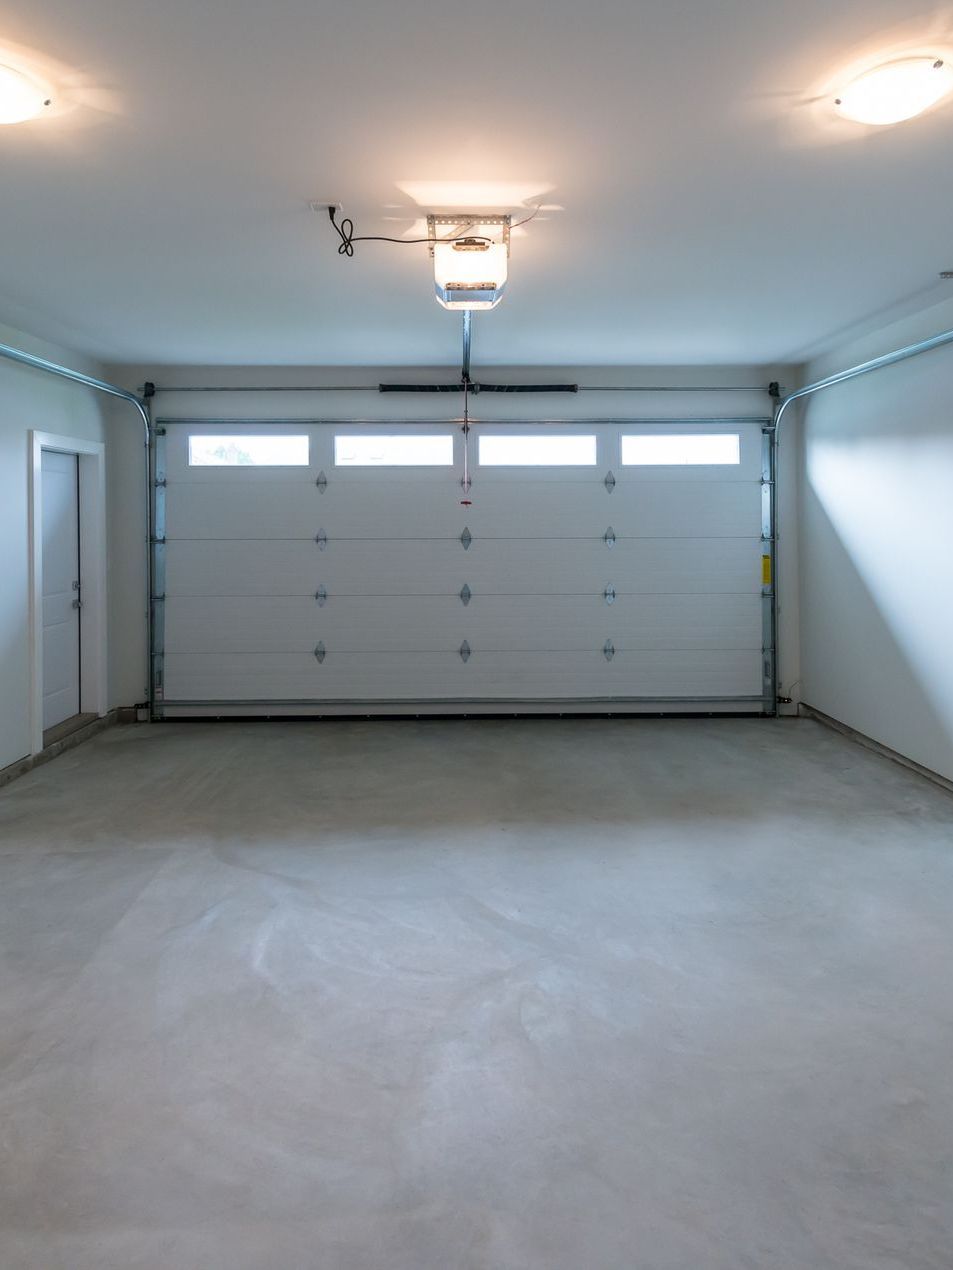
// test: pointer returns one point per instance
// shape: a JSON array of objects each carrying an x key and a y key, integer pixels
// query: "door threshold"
[{"x": 66, "y": 728}]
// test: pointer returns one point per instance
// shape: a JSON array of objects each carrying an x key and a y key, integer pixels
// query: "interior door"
[{"x": 61, "y": 595}]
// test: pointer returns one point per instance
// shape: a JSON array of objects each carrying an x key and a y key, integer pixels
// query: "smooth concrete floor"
[{"x": 485, "y": 995}]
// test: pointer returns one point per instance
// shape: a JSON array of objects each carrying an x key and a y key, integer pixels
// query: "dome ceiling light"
[
  {"x": 895, "y": 91},
  {"x": 22, "y": 97}
]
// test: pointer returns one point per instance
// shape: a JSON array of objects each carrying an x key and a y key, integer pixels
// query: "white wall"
[
  {"x": 335, "y": 402},
  {"x": 876, "y": 544},
  {"x": 29, "y": 400}
]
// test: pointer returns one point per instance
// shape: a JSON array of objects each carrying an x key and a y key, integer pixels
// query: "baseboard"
[
  {"x": 810, "y": 712},
  {"x": 24, "y": 765}
]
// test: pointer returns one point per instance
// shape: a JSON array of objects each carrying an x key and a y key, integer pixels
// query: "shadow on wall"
[{"x": 862, "y": 662}]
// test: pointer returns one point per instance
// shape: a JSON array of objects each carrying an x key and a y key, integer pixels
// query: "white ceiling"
[{"x": 713, "y": 208}]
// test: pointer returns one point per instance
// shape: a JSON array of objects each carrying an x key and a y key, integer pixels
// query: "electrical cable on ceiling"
[
  {"x": 345, "y": 232},
  {"x": 539, "y": 208}
]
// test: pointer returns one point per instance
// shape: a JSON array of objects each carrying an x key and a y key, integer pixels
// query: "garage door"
[{"x": 327, "y": 568}]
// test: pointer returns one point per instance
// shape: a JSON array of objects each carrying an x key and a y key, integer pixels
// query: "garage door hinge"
[
  {"x": 608, "y": 650},
  {"x": 464, "y": 651},
  {"x": 609, "y": 482},
  {"x": 321, "y": 482},
  {"x": 321, "y": 595},
  {"x": 320, "y": 652},
  {"x": 466, "y": 538},
  {"x": 321, "y": 539},
  {"x": 158, "y": 542},
  {"x": 161, "y": 484},
  {"x": 465, "y": 594},
  {"x": 609, "y": 537},
  {"x": 609, "y": 594}
]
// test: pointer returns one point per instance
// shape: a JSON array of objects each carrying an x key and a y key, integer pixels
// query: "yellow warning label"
[{"x": 765, "y": 570}]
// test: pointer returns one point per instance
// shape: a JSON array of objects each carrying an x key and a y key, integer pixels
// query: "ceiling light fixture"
[
  {"x": 21, "y": 96},
  {"x": 895, "y": 91}
]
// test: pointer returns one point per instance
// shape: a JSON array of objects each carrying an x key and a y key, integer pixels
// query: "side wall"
[
  {"x": 876, "y": 544},
  {"x": 29, "y": 400}
]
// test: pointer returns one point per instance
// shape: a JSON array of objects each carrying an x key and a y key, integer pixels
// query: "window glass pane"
[
  {"x": 361, "y": 450},
  {"x": 269, "y": 451},
  {"x": 538, "y": 451},
  {"x": 699, "y": 448}
]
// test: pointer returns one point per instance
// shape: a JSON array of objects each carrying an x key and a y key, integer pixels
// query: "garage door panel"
[
  {"x": 299, "y": 511},
  {"x": 356, "y": 510},
  {"x": 267, "y": 509},
  {"x": 678, "y": 509},
  {"x": 486, "y": 676},
  {"x": 442, "y": 623},
  {"x": 688, "y": 510},
  {"x": 641, "y": 566}
]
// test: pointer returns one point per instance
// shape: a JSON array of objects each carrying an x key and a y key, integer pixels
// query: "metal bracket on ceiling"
[{"x": 462, "y": 223}]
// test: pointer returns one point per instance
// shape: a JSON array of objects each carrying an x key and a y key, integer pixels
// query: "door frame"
[
  {"x": 91, "y": 465},
  {"x": 727, "y": 707}
]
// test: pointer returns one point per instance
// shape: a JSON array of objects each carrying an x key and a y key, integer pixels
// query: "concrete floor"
[{"x": 540, "y": 995}]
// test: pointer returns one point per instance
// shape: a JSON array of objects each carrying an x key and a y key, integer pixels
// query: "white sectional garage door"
[{"x": 348, "y": 570}]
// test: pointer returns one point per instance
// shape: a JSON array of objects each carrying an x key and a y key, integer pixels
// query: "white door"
[
  {"x": 61, "y": 611},
  {"x": 345, "y": 567}
]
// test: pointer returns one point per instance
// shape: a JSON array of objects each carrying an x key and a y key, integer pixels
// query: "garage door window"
[
  {"x": 273, "y": 451},
  {"x": 538, "y": 451},
  {"x": 394, "y": 451},
  {"x": 700, "y": 449}
]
